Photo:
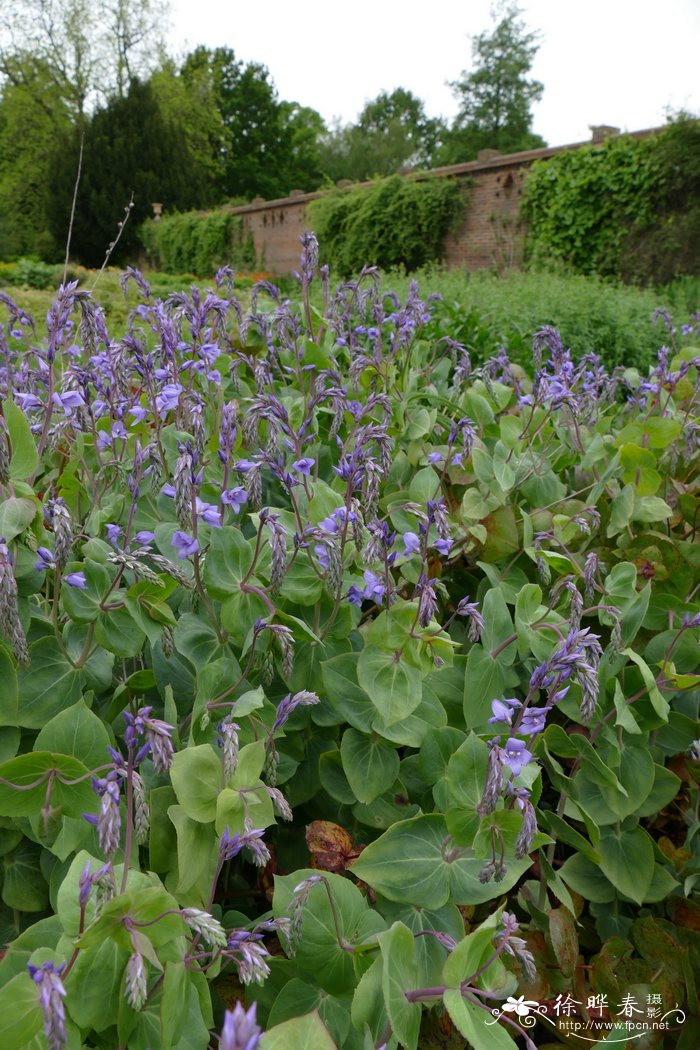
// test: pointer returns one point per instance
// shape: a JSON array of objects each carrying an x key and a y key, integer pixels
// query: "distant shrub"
[
  {"x": 593, "y": 315},
  {"x": 629, "y": 208},
  {"x": 197, "y": 242},
  {"x": 394, "y": 222},
  {"x": 32, "y": 273}
]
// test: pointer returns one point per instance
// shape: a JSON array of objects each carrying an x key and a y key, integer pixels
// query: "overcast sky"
[{"x": 619, "y": 62}]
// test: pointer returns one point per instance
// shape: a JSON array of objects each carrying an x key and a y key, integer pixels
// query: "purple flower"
[
  {"x": 45, "y": 559},
  {"x": 145, "y": 536},
  {"x": 234, "y": 498},
  {"x": 113, "y": 533},
  {"x": 303, "y": 466},
  {"x": 76, "y": 579},
  {"x": 290, "y": 704},
  {"x": 435, "y": 457},
  {"x": 208, "y": 512},
  {"x": 240, "y": 1031},
  {"x": 534, "y": 720},
  {"x": 443, "y": 546},
  {"x": 503, "y": 710},
  {"x": 168, "y": 397},
  {"x": 231, "y": 845},
  {"x": 184, "y": 545},
  {"x": 516, "y": 755},
  {"x": 411, "y": 544},
  {"x": 68, "y": 401}
]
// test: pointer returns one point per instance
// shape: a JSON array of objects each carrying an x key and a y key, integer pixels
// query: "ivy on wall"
[
  {"x": 629, "y": 208},
  {"x": 198, "y": 242},
  {"x": 394, "y": 222}
]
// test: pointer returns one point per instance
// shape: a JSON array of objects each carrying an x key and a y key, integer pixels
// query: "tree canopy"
[{"x": 496, "y": 95}]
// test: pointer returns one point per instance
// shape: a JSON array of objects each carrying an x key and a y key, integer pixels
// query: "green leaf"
[
  {"x": 393, "y": 685},
  {"x": 95, "y": 985},
  {"x": 74, "y": 799},
  {"x": 604, "y": 803},
  {"x": 627, "y": 860},
  {"x": 77, "y": 731},
  {"x": 302, "y": 1033},
  {"x": 498, "y": 627},
  {"x": 298, "y": 998},
  {"x": 47, "y": 686},
  {"x": 475, "y": 1024},
  {"x": 466, "y": 772},
  {"x": 333, "y": 778},
  {"x": 118, "y": 633},
  {"x": 486, "y": 679},
  {"x": 227, "y": 562},
  {"x": 25, "y": 458},
  {"x": 664, "y": 789},
  {"x": 345, "y": 694},
  {"x": 319, "y": 953},
  {"x": 21, "y": 1017},
  {"x": 415, "y": 862},
  {"x": 197, "y": 779},
  {"x": 83, "y": 604},
  {"x": 16, "y": 514},
  {"x": 174, "y": 1003},
  {"x": 24, "y": 887},
  {"x": 368, "y": 1006},
  {"x": 197, "y": 849},
  {"x": 399, "y": 975},
  {"x": 651, "y": 508},
  {"x": 9, "y": 697},
  {"x": 370, "y": 764},
  {"x": 587, "y": 879},
  {"x": 658, "y": 702}
]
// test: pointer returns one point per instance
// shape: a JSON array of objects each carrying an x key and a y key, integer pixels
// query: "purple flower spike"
[
  {"x": 76, "y": 579},
  {"x": 240, "y": 1031},
  {"x": 51, "y": 995},
  {"x": 184, "y": 545},
  {"x": 516, "y": 755}
]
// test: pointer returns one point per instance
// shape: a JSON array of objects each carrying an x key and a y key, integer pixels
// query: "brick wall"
[{"x": 489, "y": 236}]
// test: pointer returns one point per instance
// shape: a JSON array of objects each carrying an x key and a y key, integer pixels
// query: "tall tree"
[
  {"x": 268, "y": 146},
  {"x": 90, "y": 48},
  {"x": 496, "y": 95},
  {"x": 131, "y": 147},
  {"x": 392, "y": 131},
  {"x": 27, "y": 136}
]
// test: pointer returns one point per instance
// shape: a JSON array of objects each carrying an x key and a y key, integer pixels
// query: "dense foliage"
[
  {"x": 394, "y": 222},
  {"x": 329, "y": 661},
  {"x": 197, "y": 242},
  {"x": 628, "y": 208},
  {"x": 485, "y": 312},
  {"x": 200, "y": 130}
]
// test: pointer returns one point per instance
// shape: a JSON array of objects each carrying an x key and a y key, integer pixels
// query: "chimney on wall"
[{"x": 601, "y": 132}]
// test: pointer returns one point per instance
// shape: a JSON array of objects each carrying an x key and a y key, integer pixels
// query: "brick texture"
[{"x": 490, "y": 236}]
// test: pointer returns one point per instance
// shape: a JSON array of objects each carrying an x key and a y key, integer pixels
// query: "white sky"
[{"x": 619, "y": 62}]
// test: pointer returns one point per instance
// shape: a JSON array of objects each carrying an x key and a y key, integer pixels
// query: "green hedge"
[
  {"x": 394, "y": 222},
  {"x": 198, "y": 242},
  {"x": 629, "y": 208}
]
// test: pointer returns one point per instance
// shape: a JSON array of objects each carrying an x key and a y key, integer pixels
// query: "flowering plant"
[{"x": 320, "y": 646}]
